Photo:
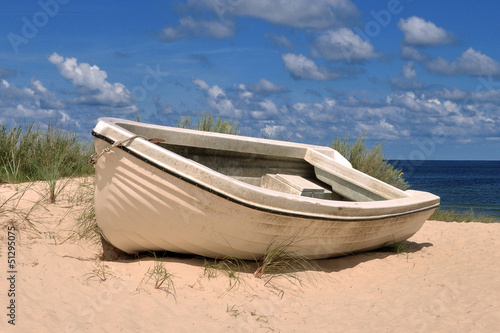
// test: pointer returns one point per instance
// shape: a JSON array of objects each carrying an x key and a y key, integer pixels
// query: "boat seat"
[{"x": 298, "y": 185}]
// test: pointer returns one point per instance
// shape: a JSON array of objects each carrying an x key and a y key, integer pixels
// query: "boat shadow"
[
  {"x": 329, "y": 265},
  {"x": 338, "y": 264}
]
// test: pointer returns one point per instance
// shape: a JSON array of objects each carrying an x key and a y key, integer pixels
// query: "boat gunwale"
[{"x": 256, "y": 206}]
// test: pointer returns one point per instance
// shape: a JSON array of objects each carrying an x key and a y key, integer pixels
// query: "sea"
[{"x": 462, "y": 185}]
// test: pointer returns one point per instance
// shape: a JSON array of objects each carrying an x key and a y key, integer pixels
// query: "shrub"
[{"x": 369, "y": 160}]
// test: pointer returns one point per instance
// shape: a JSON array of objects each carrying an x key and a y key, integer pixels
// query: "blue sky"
[{"x": 422, "y": 76}]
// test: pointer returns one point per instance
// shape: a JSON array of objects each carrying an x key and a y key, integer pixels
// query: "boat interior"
[
  {"x": 304, "y": 170},
  {"x": 284, "y": 174}
]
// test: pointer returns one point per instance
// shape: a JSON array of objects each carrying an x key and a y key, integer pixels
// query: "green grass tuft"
[
  {"x": 465, "y": 216},
  {"x": 161, "y": 277},
  {"x": 29, "y": 153},
  {"x": 279, "y": 260},
  {"x": 369, "y": 160},
  {"x": 229, "y": 266}
]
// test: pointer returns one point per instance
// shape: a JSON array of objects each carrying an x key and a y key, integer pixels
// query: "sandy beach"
[{"x": 447, "y": 280}]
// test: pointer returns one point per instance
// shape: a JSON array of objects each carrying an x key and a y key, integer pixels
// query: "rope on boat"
[{"x": 95, "y": 156}]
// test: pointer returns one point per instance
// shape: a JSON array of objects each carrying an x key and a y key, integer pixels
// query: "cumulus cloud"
[
  {"x": 301, "y": 67},
  {"x": 411, "y": 53},
  {"x": 422, "y": 33},
  {"x": 265, "y": 88},
  {"x": 408, "y": 70},
  {"x": 471, "y": 62},
  {"x": 342, "y": 45},
  {"x": 190, "y": 28},
  {"x": 451, "y": 114},
  {"x": 485, "y": 97},
  {"x": 276, "y": 132},
  {"x": 217, "y": 99},
  {"x": 407, "y": 80},
  {"x": 96, "y": 90},
  {"x": 45, "y": 98},
  {"x": 30, "y": 103}
]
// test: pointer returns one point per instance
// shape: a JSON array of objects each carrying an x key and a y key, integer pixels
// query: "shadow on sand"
[{"x": 336, "y": 264}]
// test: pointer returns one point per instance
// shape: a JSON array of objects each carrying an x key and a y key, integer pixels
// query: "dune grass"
[
  {"x": 206, "y": 122},
  {"x": 369, "y": 160},
  {"x": 280, "y": 260},
  {"x": 229, "y": 266},
  {"x": 159, "y": 277},
  {"x": 30, "y": 153},
  {"x": 465, "y": 216}
]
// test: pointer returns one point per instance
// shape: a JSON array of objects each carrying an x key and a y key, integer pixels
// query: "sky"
[{"x": 421, "y": 76}]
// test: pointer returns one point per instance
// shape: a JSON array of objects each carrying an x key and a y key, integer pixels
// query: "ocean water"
[{"x": 462, "y": 185}]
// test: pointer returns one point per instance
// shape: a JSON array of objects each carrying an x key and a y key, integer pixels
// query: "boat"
[{"x": 160, "y": 188}]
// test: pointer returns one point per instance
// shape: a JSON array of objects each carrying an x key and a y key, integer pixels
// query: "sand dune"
[{"x": 447, "y": 281}]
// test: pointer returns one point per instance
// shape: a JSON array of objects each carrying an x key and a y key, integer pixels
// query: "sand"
[{"x": 447, "y": 281}]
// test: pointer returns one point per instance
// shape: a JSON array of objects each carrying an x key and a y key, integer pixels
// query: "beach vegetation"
[
  {"x": 462, "y": 216},
  {"x": 370, "y": 160},
  {"x": 232, "y": 311},
  {"x": 86, "y": 223},
  {"x": 229, "y": 266},
  {"x": 31, "y": 153},
  {"x": 280, "y": 260},
  {"x": 206, "y": 122},
  {"x": 160, "y": 277}
]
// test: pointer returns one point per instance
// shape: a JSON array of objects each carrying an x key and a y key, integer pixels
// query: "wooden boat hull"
[{"x": 147, "y": 204}]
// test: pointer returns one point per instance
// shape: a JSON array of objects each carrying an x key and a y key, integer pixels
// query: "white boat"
[{"x": 218, "y": 195}]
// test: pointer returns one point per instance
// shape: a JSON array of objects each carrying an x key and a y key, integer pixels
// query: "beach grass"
[
  {"x": 48, "y": 153},
  {"x": 229, "y": 266},
  {"x": 464, "y": 216},
  {"x": 160, "y": 277},
  {"x": 208, "y": 123},
  {"x": 86, "y": 227},
  {"x": 370, "y": 160},
  {"x": 280, "y": 260}
]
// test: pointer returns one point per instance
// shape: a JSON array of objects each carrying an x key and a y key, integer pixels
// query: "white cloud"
[
  {"x": 29, "y": 103},
  {"x": 422, "y": 33},
  {"x": 318, "y": 14},
  {"x": 98, "y": 90},
  {"x": 452, "y": 94},
  {"x": 218, "y": 100},
  {"x": 301, "y": 67},
  {"x": 265, "y": 87},
  {"x": 407, "y": 80},
  {"x": 201, "y": 84},
  {"x": 45, "y": 98},
  {"x": 381, "y": 130},
  {"x": 471, "y": 62},
  {"x": 191, "y": 28},
  {"x": 269, "y": 107},
  {"x": 275, "y": 132},
  {"x": 408, "y": 70},
  {"x": 342, "y": 45},
  {"x": 411, "y": 53}
]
